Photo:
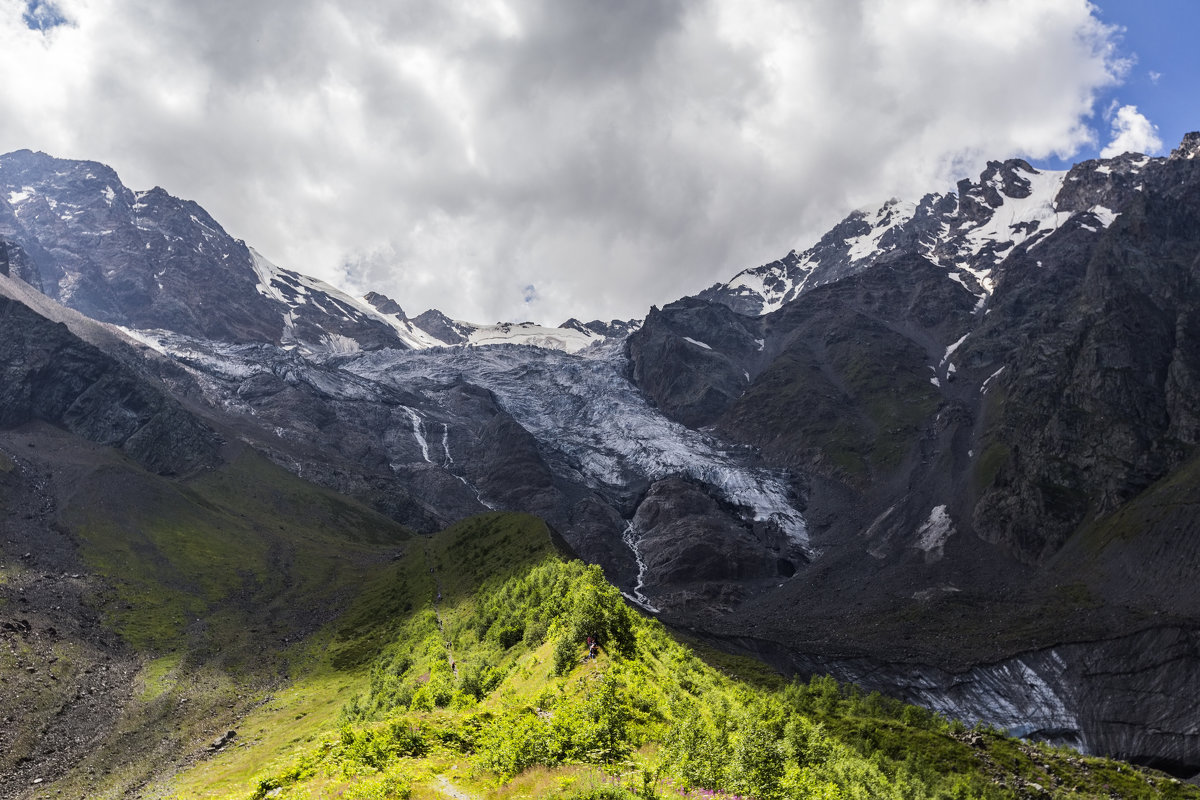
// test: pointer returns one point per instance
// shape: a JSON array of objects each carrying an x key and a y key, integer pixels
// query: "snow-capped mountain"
[
  {"x": 969, "y": 233},
  {"x": 951, "y": 447},
  {"x": 150, "y": 261}
]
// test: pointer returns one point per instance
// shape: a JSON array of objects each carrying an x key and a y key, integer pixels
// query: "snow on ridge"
[
  {"x": 568, "y": 340},
  {"x": 776, "y": 284},
  {"x": 755, "y": 280},
  {"x": 311, "y": 290},
  {"x": 975, "y": 248},
  {"x": 337, "y": 344},
  {"x": 750, "y": 279},
  {"x": 266, "y": 272},
  {"x": 270, "y": 275},
  {"x": 1016, "y": 219},
  {"x": 891, "y": 214}
]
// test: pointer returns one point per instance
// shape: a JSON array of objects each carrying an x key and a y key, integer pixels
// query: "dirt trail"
[
  {"x": 449, "y": 789},
  {"x": 437, "y": 611}
]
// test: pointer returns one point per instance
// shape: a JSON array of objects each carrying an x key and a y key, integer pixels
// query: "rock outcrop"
[{"x": 51, "y": 375}]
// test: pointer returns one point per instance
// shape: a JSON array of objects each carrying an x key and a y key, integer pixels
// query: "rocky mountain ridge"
[{"x": 150, "y": 261}]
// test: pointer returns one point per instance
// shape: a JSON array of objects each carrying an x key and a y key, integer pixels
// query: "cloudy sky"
[{"x": 539, "y": 159}]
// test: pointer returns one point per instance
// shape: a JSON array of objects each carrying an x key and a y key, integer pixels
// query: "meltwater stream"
[
  {"x": 419, "y": 432},
  {"x": 633, "y": 541}
]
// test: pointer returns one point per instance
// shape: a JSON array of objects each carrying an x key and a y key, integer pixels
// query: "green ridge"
[{"x": 487, "y": 693}]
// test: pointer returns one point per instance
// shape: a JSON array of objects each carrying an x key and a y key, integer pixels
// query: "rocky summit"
[{"x": 949, "y": 452}]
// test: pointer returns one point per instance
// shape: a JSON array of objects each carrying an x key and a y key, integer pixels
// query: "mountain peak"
[
  {"x": 1189, "y": 148},
  {"x": 384, "y": 304}
]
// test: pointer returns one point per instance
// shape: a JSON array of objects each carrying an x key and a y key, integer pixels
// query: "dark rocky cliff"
[{"x": 51, "y": 375}]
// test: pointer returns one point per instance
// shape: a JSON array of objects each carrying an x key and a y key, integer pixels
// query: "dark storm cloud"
[{"x": 612, "y": 155}]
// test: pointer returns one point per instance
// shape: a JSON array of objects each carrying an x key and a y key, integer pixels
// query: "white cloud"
[
  {"x": 1132, "y": 133},
  {"x": 613, "y": 154}
]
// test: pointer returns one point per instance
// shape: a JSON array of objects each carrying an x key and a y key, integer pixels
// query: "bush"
[
  {"x": 603, "y": 793},
  {"x": 422, "y": 699},
  {"x": 566, "y": 650},
  {"x": 514, "y": 743},
  {"x": 391, "y": 785}
]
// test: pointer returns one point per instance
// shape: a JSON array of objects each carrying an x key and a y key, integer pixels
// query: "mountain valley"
[{"x": 948, "y": 454}]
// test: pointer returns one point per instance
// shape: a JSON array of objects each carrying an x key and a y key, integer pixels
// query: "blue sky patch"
[{"x": 41, "y": 15}]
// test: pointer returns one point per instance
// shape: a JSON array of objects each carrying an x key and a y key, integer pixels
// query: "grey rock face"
[
  {"x": 385, "y": 304},
  {"x": 145, "y": 260},
  {"x": 693, "y": 358},
  {"x": 50, "y": 375},
  {"x": 1100, "y": 398},
  {"x": 1003, "y": 414},
  {"x": 1089, "y": 318},
  {"x": 149, "y": 260},
  {"x": 698, "y": 550},
  {"x": 1189, "y": 148},
  {"x": 441, "y": 327},
  {"x": 614, "y": 329}
]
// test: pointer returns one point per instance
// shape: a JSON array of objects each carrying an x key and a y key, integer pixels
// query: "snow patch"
[
  {"x": 983, "y": 389},
  {"x": 698, "y": 344},
  {"x": 950, "y": 350},
  {"x": 878, "y": 521},
  {"x": 1018, "y": 218},
  {"x": 932, "y": 535},
  {"x": 1104, "y": 215},
  {"x": 958, "y": 278},
  {"x": 272, "y": 280},
  {"x": 755, "y": 281},
  {"x": 336, "y": 344}
]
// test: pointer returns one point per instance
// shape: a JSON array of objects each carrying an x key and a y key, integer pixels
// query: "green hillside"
[
  {"x": 460, "y": 671},
  {"x": 152, "y": 613}
]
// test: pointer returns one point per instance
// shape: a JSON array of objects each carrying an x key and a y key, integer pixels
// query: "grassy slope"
[
  {"x": 221, "y": 585},
  {"x": 193, "y": 561},
  {"x": 379, "y": 712}
]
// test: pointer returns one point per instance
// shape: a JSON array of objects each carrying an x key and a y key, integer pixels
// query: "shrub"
[{"x": 422, "y": 700}]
